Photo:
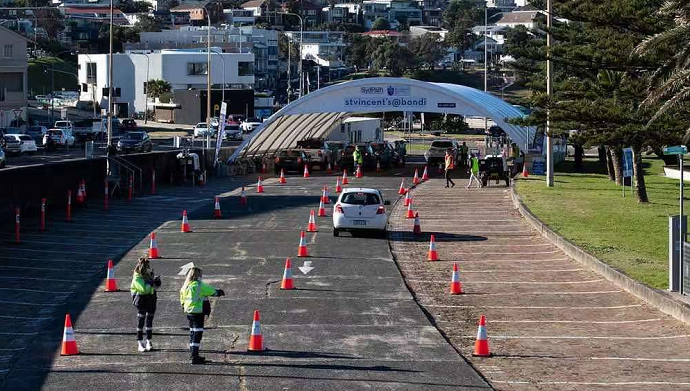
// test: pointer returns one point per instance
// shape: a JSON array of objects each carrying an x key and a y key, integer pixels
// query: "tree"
[
  {"x": 146, "y": 24},
  {"x": 157, "y": 88},
  {"x": 428, "y": 48},
  {"x": 458, "y": 18},
  {"x": 381, "y": 24},
  {"x": 134, "y": 7},
  {"x": 392, "y": 57},
  {"x": 360, "y": 51}
]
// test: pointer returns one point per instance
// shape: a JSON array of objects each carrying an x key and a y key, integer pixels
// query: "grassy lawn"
[{"x": 590, "y": 210}]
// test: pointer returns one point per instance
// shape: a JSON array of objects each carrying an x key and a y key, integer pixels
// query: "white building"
[
  {"x": 497, "y": 33},
  {"x": 357, "y": 130},
  {"x": 183, "y": 69},
  {"x": 503, "y": 5},
  {"x": 325, "y": 48},
  {"x": 418, "y": 31},
  {"x": 523, "y": 16}
]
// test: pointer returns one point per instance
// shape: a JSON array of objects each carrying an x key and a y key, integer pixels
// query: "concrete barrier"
[{"x": 666, "y": 302}]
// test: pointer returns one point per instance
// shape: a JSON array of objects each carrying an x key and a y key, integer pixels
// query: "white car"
[
  {"x": 360, "y": 209},
  {"x": 201, "y": 130},
  {"x": 250, "y": 124},
  {"x": 64, "y": 125},
  {"x": 59, "y": 137},
  {"x": 26, "y": 143}
]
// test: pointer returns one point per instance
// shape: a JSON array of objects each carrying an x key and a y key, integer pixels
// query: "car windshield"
[
  {"x": 310, "y": 144},
  {"x": 61, "y": 123},
  {"x": 290, "y": 153},
  {"x": 201, "y": 125},
  {"x": 361, "y": 199},
  {"x": 54, "y": 132},
  {"x": 10, "y": 139},
  {"x": 232, "y": 127},
  {"x": 252, "y": 120},
  {"x": 442, "y": 144},
  {"x": 25, "y": 138},
  {"x": 134, "y": 136},
  {"x": 129, "y": 122}
]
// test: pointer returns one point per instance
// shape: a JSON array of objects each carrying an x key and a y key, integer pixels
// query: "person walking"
[
  {"x": 357, "y": 157},
  {"x": 450, "y": 165},
  {"x": 192, "y": 295},
  {"x": 463, "y": 154},
  {"x": 473, "y": 171},
  {"x": 143, "y": 289}
]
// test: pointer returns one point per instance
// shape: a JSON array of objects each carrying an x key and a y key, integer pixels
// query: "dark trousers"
[
  {"x": 144, "y": 323},
  {"x": 448, "y": 180},
  {"x": 196, "y": 331}
]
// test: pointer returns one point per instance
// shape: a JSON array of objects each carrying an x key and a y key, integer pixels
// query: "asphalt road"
[{"x": 350, "y": 324}]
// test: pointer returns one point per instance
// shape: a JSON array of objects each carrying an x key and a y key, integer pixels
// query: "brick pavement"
[{"x": 552, "y": 323}]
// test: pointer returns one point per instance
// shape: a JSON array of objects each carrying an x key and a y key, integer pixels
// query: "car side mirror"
[{"x": 386, "y": 202}]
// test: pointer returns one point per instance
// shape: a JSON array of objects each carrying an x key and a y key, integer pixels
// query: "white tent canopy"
[{"x": 313, "y": 115}]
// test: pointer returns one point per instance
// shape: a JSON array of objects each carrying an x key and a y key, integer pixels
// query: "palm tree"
[
  {"x": 670, "y": 83},
  {"x": 157, "y": 88}
]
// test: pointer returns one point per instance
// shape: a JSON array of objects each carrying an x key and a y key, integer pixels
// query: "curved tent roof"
[{"x": 313, "y": 115}]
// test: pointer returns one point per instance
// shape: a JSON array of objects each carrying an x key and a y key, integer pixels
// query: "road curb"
[{"x": 658, "y": 299}]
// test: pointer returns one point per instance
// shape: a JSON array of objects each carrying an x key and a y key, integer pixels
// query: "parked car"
[
  {"x": 291, "y": 160},
  {"x": 3, "y": 159},
  {"x": 12, "y": 144},
  {"x": 37, "y": 133},
  {"x": 135, "y": 141},
  {"x": 316, "y": 150},
  {"x": 233, "y": 131},
  {"x": 360, "y": 209},
  {"x": 250, "y": 124},
  {"x": 66, "y": 125},
  {"x": 128, "y": 124},
  {"x": 334, "y": 149},
  {"x": 201, "y": 130},
  {"x": 437, "y": 151},
  {"x": 383, "y": 154},
  {"x": 58, "y": 138}
]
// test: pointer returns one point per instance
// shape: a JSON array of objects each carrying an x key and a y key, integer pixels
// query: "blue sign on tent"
[{"x": 627, "y": 163}]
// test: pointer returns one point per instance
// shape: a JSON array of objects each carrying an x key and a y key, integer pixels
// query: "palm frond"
[
  {"x": 678, "y": 81},
  {"x": 676, "y": 100}
]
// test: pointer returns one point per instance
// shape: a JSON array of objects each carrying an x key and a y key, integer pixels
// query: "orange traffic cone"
[
  {"x": 110, "y": 281},
  {"x": 358, "y": 174},
  {"x": 440, "y": 168},
  {"x": 410, "y": 212},
  {"x": 153, "y": 247},
  {"x": 302, "y": 249},
  {"x": 256, "y": 341},
  {"x": 338, "y": 188},
  {"x": 287, "y": 284},
  {"x": 433, "y": 255},
  {"x": 328, "y": 168},
  {"x": 311, "y": 227},
  {"x": 282, "y": 176},
  {"x": 455, "y": 285},
  {"x": 481, "y": 345},
  {"x": 185, "y": 223},
  {"x": 322, "y": 210},
  {"x": 324, "y": 196},
  {"x": 259, "y": 186},
  {"x": 425, "y": 175},
  {"x": 345, "y": 182},
  {"x": 263, "y": 167},
  {"x": 525, "y": 174},
  {"x": 80, "y": 196},
  {"x": 378, "y": 166},
  {"x": 408, "y": 200},
  {"x": 306, "y": 171},
  {"x": 326, "y": 200},
  {"x": 417, "y": 230},
  {"x": 243, "y": 197},
  {"x": 415, "y": 179},
  {"x": 83, "y": 189},
  {"x": 402, "y": 190},
  {"x": 216, "y": 209},
  {"x": 69, "y": 344}
]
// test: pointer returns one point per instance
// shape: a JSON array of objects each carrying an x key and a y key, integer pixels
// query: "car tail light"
[
  {"x": 277, "y": 160},
  {"x": 339, "y": 209},
  {"x": 299, "y": 160},
  {"x": 381, "y": 210},
  {"x": 320, "y": 153}
]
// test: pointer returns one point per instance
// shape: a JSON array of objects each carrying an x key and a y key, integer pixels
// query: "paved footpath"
[
  {"x": 351, "y": 324},
  {"x": 552, "y": 323}
]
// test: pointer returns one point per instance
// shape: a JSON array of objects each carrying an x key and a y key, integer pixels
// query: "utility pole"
[
  {"x": 549, "y": 93},
  {"x": 110, "y": 85},
  {"x": 486, "y": 61},
  {"x": 208, "y": 84}
]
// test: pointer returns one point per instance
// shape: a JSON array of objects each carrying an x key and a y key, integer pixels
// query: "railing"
[{"x": 129, "y": 168}]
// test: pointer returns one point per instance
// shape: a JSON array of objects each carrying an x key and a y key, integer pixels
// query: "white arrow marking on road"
[
  {"x": 306, "y": 268},
  {"x": 185, "y": 268}
]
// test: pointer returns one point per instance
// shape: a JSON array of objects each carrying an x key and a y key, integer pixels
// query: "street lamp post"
[
  {"x": 549, "y": 93},
  {"x": 146, "y": 90},
  {"x": 208, "y": 82},
  {"x": 486, "y": 62},
  {"x": 301, "y": 32}
]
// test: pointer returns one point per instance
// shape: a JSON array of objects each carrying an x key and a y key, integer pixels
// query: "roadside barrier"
[
  {"x": 378, "y": 166},
  {"x": 432, "y": 255},
  {"x": 106, "y": 194},
  {"x": 256, "y": 340},
  {"x": 260, "y": 186},
  {"x": 338, "y": 188},
  {"x": 287, "y": 283},
  {"x": 525, "y": 173},
  {"x": 153, "y": 247},
  {"x": 425, "y": 174},
  {"x": 243, "y": 197},
  {"x": 455, "y": 285},
  {"x": 216, "y": 209},
  {"x": 410, "y": 212},
  {"x": 111, "y": 282},
  {"x": 481, "y": 345},
  {"x": 16, "y": 226},
  {"x": 345, "y": 181},
  {"x": 69, "y": 206},
  {"x": 282, "y": 176},
  {"x": 417, "y": 229},
  {"x": 130, "y": 188},
  {"x": 322, "y": 210},
  {"x": 69, "y": 343},
  {"x": 407, "y": 200},
  {"x": 324, "y": 195},
  {"x": 185, "y": 223},
  {"x": 327, "y": 200},
  {"x": 306, "y": 171},
  {"x": 415, "y": 179},
  {"x": 153, "y": 182},
  {"x": 358, "y": 174},
  {"x": 302, "y": 249},
  {"x": 328, "y": 169},
  {"x": 402, "y": 190},
  {"x": 311, "y": 227},
  {"x": 80, "y": 195},
  {"x": 83, "y": 189}
]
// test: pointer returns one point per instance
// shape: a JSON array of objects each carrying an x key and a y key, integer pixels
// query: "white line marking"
[
  {"x": 39, "y": 268},
  {"x": 641, "y": 359},
  {"x": 581, "y": 337},
  {"x": 548, "y": 293},
  {"x": 511, "y": 282},
  {"x": 533, "y": 308},
  {"x": 44, "y": 260}
]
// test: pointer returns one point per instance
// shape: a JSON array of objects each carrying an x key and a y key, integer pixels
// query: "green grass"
[{"x": 589, "y": 210}]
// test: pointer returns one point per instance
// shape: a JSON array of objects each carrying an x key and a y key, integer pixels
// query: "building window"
[
  {"x": 91, "y": 72},
  {"x": 11, "y": 82},
  {"x": 8, "y": 51},
  {"x": 197, "y": 68},
  {"x": 245, "y": 68}
]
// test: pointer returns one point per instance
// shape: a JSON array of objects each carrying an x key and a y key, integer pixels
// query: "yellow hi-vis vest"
[{"x": 192, "y": 296}]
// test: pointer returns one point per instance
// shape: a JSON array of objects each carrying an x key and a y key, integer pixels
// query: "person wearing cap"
[
  {"x": 143, "y": 289},
  {"x": 357, "y": 157},
  {"x": 450, "y": 165},
  {"x": 473, "y": 171},
  {"x": 192, "y": 296}
]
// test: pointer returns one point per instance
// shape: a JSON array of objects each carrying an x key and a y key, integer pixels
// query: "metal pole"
[
  {"x": 681, "y": 235},
  {"x": 52, "y": 96},
  {"x": 549, "y": 93},
  {"x": 110, "y": 83},
  {"x": 289, "y": 83},
  {"x": 318, "y": 77},
  {"x": 208, "y": 84},
  {"x": 486, "y": 61},
  {"x": 146, "y": 93},
  {"x": 301, "y": 37}
]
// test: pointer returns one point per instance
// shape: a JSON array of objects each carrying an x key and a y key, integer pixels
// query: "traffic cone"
[
  {"x": 345, "y": 182},
  {"x": 408, "y": 200},
  {"x": 322, "y": 210},
  {"x": 326, "y": 200},
  {"x": 216, "y": 209},
  {"x": 263, "y": 167},
  {"x": 306, "y": 172},
  {"x": 440, "y": 168},
  {"x": 417, "y": 230},
  {"x": 338, "y": 188},
  {"x": 311, "y": 227},
  {"x": 111, "y": 282},
  {"x": 378, "y": 166},
  {"x": 415, "y": 179},
  {"x": 185, "y": 223},
  {"x": 410, "y": 212},
  {"x": 282, "y": 177},
  {"x": 83, "y": 189},
  {"x": 455, "y": 285},
  {"x": 243, "y": 197},
  {"x": 80, "y": 196},
  {"x": 153, "y": 247},
  {"x": 525, "y": 174},
  {"x": 302, "y": 249},
  {"x": 425, "y": 174},
  {"x": 358, "y": 174},
  {"x": 402, "y": 190},
  {"x": 324, "y": 196},
  {"x": 433, "y": 255},
  {"x": 256, "y": 340},
  {"x": 287, "y": 284},
  {"x": 259, "y": 186},
  {"x": 69, "y": 344},
  {"x": 481, "y": 345},
  {"x": 328, "y": 168}
]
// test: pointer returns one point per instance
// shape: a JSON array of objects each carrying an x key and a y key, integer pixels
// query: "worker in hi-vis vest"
[
  {"x": 192, "y": 295},
  {"x": 143, "y": 289},
  {"x": 474, "y": 171}
]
